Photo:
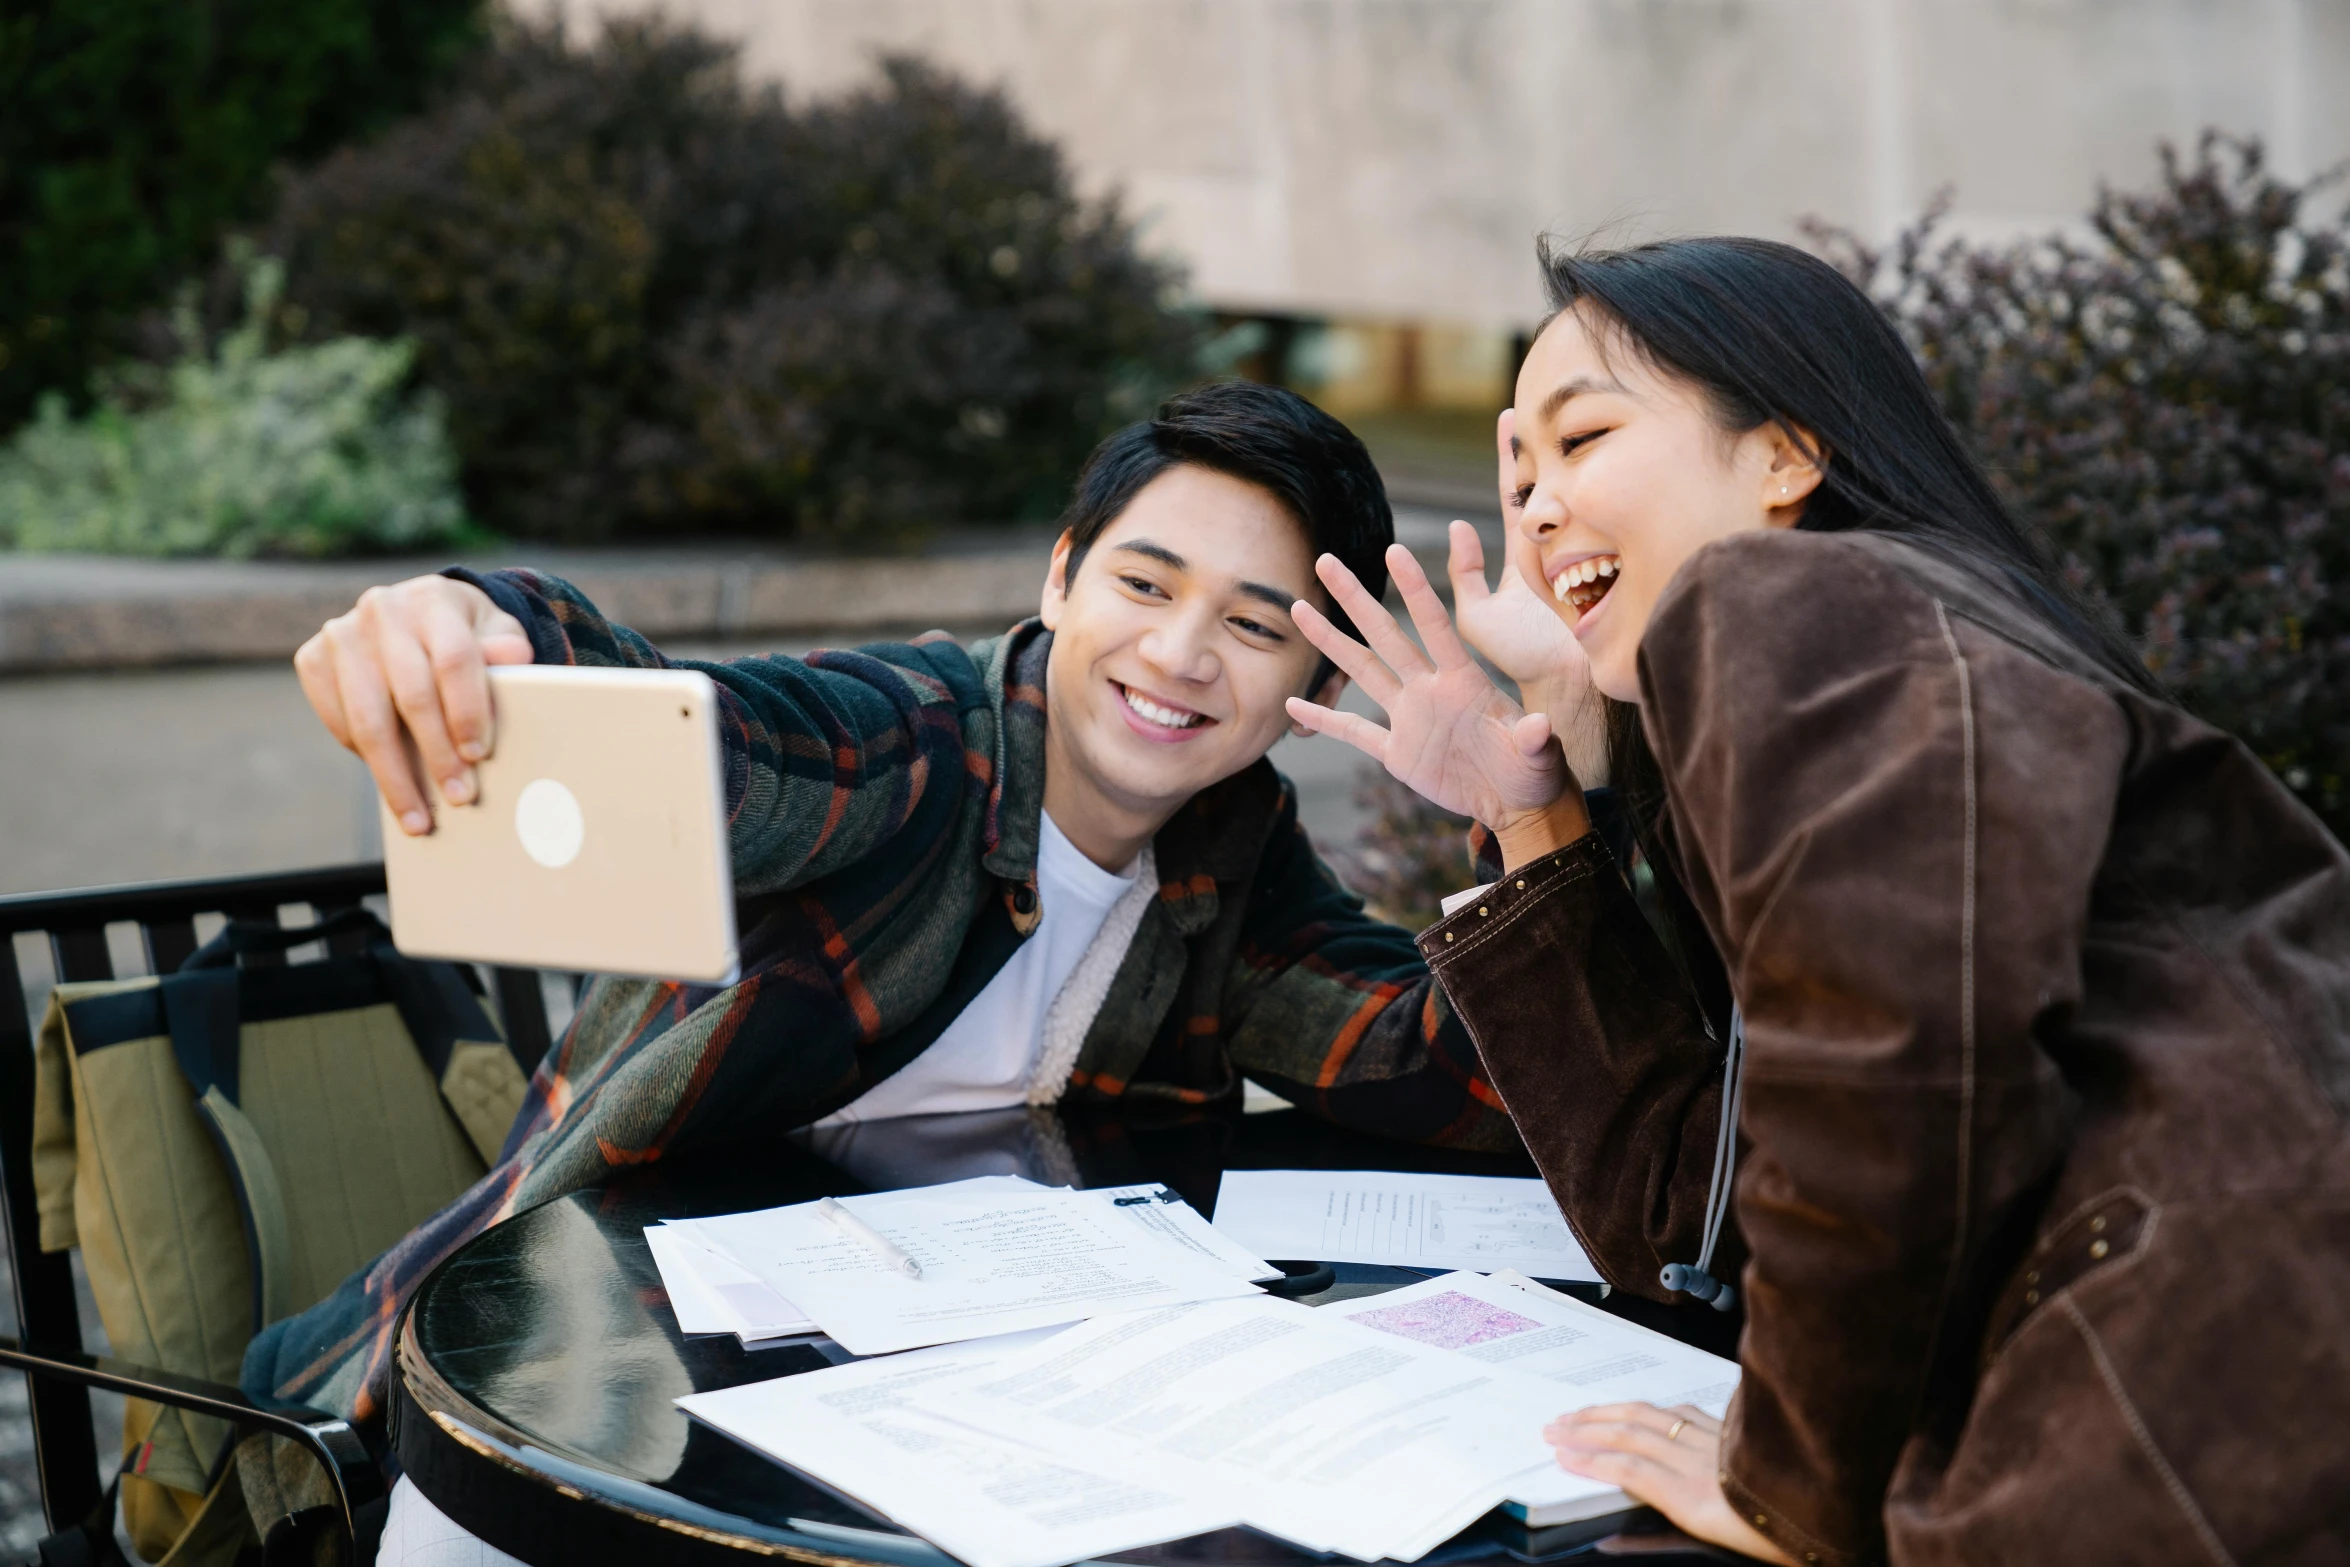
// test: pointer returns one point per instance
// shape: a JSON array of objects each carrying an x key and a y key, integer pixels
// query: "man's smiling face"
[{"x": 1173, "y": 649}]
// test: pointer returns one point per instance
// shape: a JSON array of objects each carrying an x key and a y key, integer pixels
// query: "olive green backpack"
[{"x": 226, "y": 1144}]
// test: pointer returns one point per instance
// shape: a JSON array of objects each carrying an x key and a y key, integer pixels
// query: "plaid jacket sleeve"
[
  {"x": 1335, "y": 1011},
  {"x": 828, "y": 759}
]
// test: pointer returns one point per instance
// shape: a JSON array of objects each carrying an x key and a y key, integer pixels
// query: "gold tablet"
[{"x": 597, "y": 842}]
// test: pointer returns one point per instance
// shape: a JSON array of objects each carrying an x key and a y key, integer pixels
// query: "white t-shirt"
[{"x": 985, "y": 1058}]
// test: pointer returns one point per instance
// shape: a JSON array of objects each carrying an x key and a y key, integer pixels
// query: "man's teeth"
[
  {"x": 1170, "y": 717},
  {"x": 1599, "y": 568}
]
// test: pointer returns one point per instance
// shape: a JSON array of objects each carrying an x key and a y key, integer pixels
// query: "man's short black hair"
[{"x": 1265, "y": 436}]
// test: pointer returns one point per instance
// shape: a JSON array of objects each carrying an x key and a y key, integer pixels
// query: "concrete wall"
[{"x": 1394, "y": 158}]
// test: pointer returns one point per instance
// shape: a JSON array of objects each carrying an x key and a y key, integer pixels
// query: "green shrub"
[
  {"x": 312, "y": 450},
  {"x": 2169, "y": 401},
  {"x": 132, "y": 131},
  {"x": 656, "y": 300}
]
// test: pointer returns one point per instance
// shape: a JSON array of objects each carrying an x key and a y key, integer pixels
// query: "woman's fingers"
[
  {"x": 1505, "y": 441},
  {"x": 1639, "y": 1477},
  {"x": 1371, "y": 618},
  {"x": 1660, "y": 1444},
  {"x": 1353, "y": 728},
  {"x": 1429, "y": 615},
  {"x": 1531, "y": 734},
  {"x": 1615, "y": 1414},
  {"x": 1376, "y": 679},
  {"x": 1465, "y": 564},
  {"x": 1698, "y": 1419}
]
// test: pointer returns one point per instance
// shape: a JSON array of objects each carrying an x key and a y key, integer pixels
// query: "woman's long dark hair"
[{"x": 1773, "y": 335}]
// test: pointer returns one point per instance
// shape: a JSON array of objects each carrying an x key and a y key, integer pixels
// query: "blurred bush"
[
  {"x": 656, "y": 300},
  {"x": 239, "y": 450},
  {"x": 1408, "y": 855},
  {"x": 2169, "y": 400},
  {"x": 132, "y": 131}
]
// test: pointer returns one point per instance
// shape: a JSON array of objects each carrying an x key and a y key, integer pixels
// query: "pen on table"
[{"x": 867, "y": 1236}]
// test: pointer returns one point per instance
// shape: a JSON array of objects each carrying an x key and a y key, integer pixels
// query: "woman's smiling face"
[{"x": 1624, "y": 472}]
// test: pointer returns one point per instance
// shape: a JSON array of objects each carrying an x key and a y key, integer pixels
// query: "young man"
[{"x": 1053, "y": 865}]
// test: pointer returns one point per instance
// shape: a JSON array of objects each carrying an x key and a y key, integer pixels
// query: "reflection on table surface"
[{"x": 552, "y": 1333}]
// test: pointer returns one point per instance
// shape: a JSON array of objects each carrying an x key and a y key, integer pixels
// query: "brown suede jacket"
[{"x": 2044, "y": 1192}]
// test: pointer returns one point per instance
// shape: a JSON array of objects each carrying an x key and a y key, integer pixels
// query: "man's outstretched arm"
[{"x": 825, "y": 758}]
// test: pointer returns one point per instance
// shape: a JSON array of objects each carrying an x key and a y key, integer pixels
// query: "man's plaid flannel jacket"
[{"x": 884, "y": 806}]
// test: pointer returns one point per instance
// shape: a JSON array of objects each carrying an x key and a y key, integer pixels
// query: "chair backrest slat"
[
  {"x": 522, "y": 1012},
  {"x": 259, "y": 914},
  {"x": 169, "y": 942},
  {"x": 349, "y": 945},
  {"x": 81, "y": 953}
]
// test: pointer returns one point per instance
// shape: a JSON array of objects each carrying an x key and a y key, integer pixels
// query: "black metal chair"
[{"x": 49, "y": 1348}]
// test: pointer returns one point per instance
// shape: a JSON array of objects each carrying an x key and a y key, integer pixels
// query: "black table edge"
[{"x": 517, "y": 1497}]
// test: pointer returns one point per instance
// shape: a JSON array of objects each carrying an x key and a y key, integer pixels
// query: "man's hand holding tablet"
[
  {"x": 415, "y": 655},
  {"x": 545, "y": 816}
]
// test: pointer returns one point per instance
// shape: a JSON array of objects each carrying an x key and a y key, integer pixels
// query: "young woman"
[{"x": 2024, "y": 995}]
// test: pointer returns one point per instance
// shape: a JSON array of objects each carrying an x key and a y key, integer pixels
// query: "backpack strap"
[
  {"x": 239, "y": 937},
  {"x": 200, "y": 1009},
  {"x": 200, "y": 1014}
]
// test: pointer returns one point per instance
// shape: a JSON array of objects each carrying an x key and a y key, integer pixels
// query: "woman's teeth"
[
  {"x": 1586, "y": 582},
  {"x": 1167, "y": 717}
]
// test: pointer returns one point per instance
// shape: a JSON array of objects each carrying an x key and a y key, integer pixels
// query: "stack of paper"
[
  {"x": 1484, "y": 1222},
  {"x": 997, "y": 1255},
  {"x": 990, "y": 1502},
  {"x": 1587, "y": 1357},
  {"x": 713, "y": 1293},
  {"x": 1375, "y": 1435}
]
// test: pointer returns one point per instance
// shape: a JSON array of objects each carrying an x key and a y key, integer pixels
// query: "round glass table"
[{"x": 538, "y": 1367}]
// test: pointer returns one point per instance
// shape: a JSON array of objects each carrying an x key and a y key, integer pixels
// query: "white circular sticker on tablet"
[{"x": 547, "y": 820}]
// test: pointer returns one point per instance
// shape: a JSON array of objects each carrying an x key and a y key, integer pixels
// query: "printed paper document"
[
  {"x": 994, "y": 1263},
  {"x": 1480, "y": 1222},
  {"x": 1376, "y": 1428},
  {"x": 1156, "y": 1209},
  {"x": 990, "y": 1502},
  {"x": 712, "y": 1293},
  {"x": 1328, "y": 1434},
  {"x": 1577, "y": 1355}
]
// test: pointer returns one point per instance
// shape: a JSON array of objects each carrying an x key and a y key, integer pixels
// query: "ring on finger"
[{"x": 1673, "y": 1431}]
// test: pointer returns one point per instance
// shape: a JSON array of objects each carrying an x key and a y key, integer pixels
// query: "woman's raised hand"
[
  {"x": 1518, "y": 633},
  {"x": 1451, "y": 734},
  {"x": 1514, "y": 624},
  {"x": 1517, "y": 625}
]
